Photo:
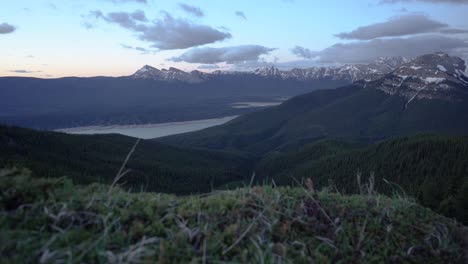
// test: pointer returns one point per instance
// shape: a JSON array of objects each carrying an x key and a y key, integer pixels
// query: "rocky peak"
[
  {"x": 146, "y": 69},
  {"x": 391, "y": 62},
  {"x": 430, "y": 76},
  {"x": 268, "y": 71},
  {"x": 171, "y": 74},
  {"x": 433, "y": 64},
  {"x": 172, "y": 69}
]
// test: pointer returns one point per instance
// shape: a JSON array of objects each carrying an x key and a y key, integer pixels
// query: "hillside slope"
[
  {"x": 354, "y": 112},
  {"x": 62, "y": 222},
  {"x": 432, "y": 169},
  {"x": 97, "y": 158}
]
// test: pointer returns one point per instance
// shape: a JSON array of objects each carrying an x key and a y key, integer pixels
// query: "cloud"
[
  {"x": 240, "y": 14},
  {"x": 123, "y": 19},
  {"x": 397, "y": 26},
  {"x": 426, "y": 1},
  {"x": 6, "y": 28},
  {"x": 24, "y": 71},
  {"x": 167, "y": 33},
  {"x": 192, "y": 10},
  {"x": 367, "y": 51},
  {"x": 208, "y": 67},
  {"x": 303, "y": 52},
  {"x": 129, "y": 1},
  {"x": 454, "y": 31},
  {"x": 229, "y": 55},
  {"x": 140, "y": 49}
]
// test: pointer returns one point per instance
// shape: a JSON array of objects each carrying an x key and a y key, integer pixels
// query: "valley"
[
  {"x": 402, "y": 135},
  {"x": 153, "y": 96}
]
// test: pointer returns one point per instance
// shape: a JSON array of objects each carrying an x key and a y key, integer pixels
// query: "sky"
[{"x": 56, "y": 38}]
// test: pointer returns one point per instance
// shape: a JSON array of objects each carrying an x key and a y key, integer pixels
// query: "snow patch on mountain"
[
  {"x": 441, "y": 67},
  {"x": 435, "y": 80}
]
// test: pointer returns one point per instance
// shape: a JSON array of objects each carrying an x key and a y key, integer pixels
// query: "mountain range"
[
  {"x": 350, "y": 73},
  {"x": 427, "y": 94}
]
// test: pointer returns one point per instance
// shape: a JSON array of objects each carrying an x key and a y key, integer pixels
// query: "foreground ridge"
[{"x": 66, "y": 223}]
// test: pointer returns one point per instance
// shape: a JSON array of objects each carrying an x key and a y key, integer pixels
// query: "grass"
[{"x": 55, "y": 221}]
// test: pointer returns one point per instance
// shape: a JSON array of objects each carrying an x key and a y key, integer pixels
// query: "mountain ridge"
[
  {"x": 429, "y": 76},
  {"x": 348, "y": 72}
]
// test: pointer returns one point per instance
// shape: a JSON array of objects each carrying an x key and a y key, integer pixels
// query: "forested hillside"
[
  {"x": 433, "y": 169},
  {"x": 98, "y": 158}
]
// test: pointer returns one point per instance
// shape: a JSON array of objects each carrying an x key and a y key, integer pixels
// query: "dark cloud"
[
  {"x": 240, "y": 14},
  {"x": 397, "y": 26},
  {"x": 303, "y": 52},
  {"x": 367, "y": 51},
  {"x": 166, "y": 33},
  {"x": 192, "y": 10},
  {"x": 426, "y": 1},
  {"x": 24, "y": 71},
  {"x": 6, "y": 28},
  {"x": 228, "y": 55}
]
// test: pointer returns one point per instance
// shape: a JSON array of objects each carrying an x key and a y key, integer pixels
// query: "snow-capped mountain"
[
  {"x": 171, "y": 74},
  {"x": 431, "y": 76},
  {"x": 350, "y": 73}
]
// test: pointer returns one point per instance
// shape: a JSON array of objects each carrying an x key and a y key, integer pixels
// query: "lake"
[
  {"x": 148, "y": 131},
  {"x": 254, "y": 104}
]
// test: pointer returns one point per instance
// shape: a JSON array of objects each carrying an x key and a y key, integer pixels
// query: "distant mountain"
[
  {"x": 349, "y": 73},
  {"x": 172, "y": 74},
  {"x": 428, "y": 94}
]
